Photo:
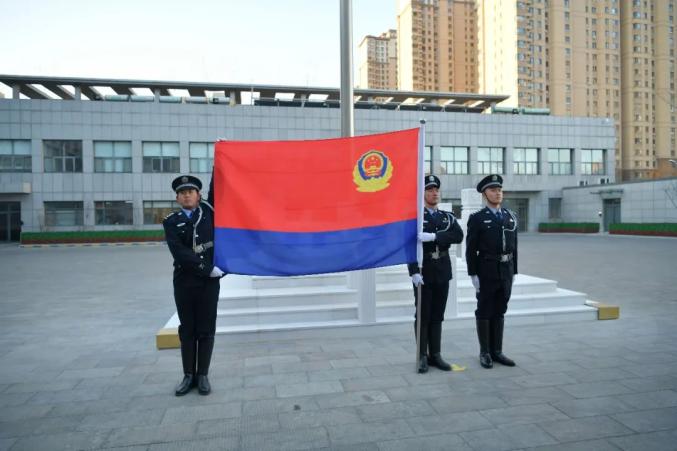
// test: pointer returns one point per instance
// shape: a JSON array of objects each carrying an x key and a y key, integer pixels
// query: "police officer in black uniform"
[
  {"x": 491, "y": 254},
  {"x": 190, "y": 237},
  {"x": 440, "y": 231}
]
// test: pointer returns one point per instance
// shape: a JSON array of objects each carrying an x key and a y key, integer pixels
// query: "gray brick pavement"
[{"x": 79, "y": 370}]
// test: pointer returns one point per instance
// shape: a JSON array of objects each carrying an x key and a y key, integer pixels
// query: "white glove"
[
  {"x": 417, "y": 279},
  {"x": 514, "y": 278},
  {"x": 425, "y": 237},
  {"x": 475, "y": 283},
  {"x": 216, "y": 272}
]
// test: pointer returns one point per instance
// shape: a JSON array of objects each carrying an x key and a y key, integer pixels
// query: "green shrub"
[
  {"x": 650, "y": 228},
  {"x": 98, "y": 236}
]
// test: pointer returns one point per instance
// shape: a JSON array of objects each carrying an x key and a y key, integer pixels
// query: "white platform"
[{"x": 257, "y": 304}]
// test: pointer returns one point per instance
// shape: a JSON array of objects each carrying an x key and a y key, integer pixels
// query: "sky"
[{"x": 281, "y": 42}]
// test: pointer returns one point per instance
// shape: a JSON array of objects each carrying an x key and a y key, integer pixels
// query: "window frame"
[
  {"x": 60, "y": 157},
  {"x": 197, "y": 164},
  {"x": 104, "y": 208},
  {"x": 161, "y": 164},
  {"x": 152, "y": 212},
  {"x": 559, "y": 163},
  {"x": 522, "y": 167},
  {"x": 15, "y": 162},
  {"x": 52, "y": 214},
  {"x": 589, "y": 167},
  {"x": 125, "y": 161},
  {"x": 491, "y": 162}
]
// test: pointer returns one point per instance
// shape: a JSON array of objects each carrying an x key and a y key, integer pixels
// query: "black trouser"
[
  {"x": 493, "y": 297},
  {"x": 433, "y": 304},
  {"x": 196, "y": 300}
]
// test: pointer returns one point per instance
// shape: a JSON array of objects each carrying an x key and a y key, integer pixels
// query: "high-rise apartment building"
[
  {"x": 436, "y": 45},
  {"x": 594, "y": 58},
  {"x": 378, "y": 61},
  {"x": 648, "y": 88}
]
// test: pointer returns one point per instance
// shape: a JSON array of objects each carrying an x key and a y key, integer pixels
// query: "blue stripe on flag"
[{"x": 263, "y": 253}]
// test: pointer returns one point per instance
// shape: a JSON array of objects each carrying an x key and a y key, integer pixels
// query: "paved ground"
[{"x": 78, "y": 367}]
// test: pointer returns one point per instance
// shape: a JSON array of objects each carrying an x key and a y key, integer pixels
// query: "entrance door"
[
  {"x": 520, "y": 207},
  {"x": 10, "y": 221},
  {"x": 612, "y": 212}
]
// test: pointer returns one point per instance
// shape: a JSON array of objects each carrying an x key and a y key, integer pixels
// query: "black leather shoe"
[
  {"x": 437, "y": 361},
  {"x": 502, "y": 359},
  {"x": 185, "y": 385},
  {"x": 485, "y": 360},
  {"x": 203, "y": 386},
  {"x": 423, "y": 364}
]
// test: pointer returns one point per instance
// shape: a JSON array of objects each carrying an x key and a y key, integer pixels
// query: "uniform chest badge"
[{"x": 372, "y": 172}]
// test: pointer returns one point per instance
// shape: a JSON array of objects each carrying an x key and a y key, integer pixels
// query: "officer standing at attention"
[
  {"x": 190, "y": 237},
  {"x": 440, "y": 231},
  {"x": 491, "y": 255}
]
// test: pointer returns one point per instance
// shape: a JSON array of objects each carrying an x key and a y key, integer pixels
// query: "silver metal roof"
[{"x": 72, "y": 88}]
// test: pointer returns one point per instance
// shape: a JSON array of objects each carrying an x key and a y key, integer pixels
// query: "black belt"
[
  {"x": 498, "y": 258},
  {"x": 435, "y": 255}
]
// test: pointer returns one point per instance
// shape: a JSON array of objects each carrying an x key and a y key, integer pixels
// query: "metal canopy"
[{"x": 35, "y": 87}]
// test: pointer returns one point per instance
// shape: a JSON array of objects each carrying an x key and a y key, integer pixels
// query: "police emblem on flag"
[{"x": 372, "y": 172}]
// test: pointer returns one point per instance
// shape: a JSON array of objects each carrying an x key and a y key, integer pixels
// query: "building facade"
[
  {"x": 436, "y": 45},
  {"x": 107, "y": 164},
  {"x": 641, "y": 201},
  {"x": 378, "y": 61},
  {"x": 592, "y": 58}
]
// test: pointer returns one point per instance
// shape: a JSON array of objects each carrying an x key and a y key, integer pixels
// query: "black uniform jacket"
[
  {"x": 447, "y": 231},
  {"x": 179, "y": 231},
  {"x": 484, "y": 244}
]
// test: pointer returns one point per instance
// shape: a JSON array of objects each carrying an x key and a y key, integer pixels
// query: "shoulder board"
[{"x": 170, "y": 215}]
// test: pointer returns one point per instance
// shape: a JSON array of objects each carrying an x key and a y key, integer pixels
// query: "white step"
[
  {"x": 250, "y": 317},
  {"x": 560, "y": 298},
  {"x": 394, "y": 309},
  {"x": 286, "y": 297},
  {"x": 545, "y": 315},
  {"x": 314, "y": 280}
]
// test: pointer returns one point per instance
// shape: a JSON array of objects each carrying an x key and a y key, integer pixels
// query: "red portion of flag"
[{"x": 316, "y": 186}]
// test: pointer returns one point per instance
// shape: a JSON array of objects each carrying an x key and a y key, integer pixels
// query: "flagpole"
[
  {"x": 346, "y": 95},
  {"x": 363, "y": 281},
  {"x": 419, "y": 228}
]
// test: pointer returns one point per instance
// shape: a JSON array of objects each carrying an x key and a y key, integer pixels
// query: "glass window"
[
  {"x": 525, "y": 160},
  {"x": 555, "y": 208},
  {"x": 559, "y": 161},
  {"x": 201, "y": 157},
  {"x": 592, "y": 162},
  {"x": 454, "y": 160},
  {"x": 62, "y": 156},
  {"x": 428, "y": 159},
  {"x": 161, "y": 157},
  {"x": 490, "y": 160},
  {"x": 63, "y": 214},
  {"x": 15, "y": 155},
  {"x": 112, "y": 156},
  {"x": 113, "y": 213},
  {"x": 154, "y": 211}
]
